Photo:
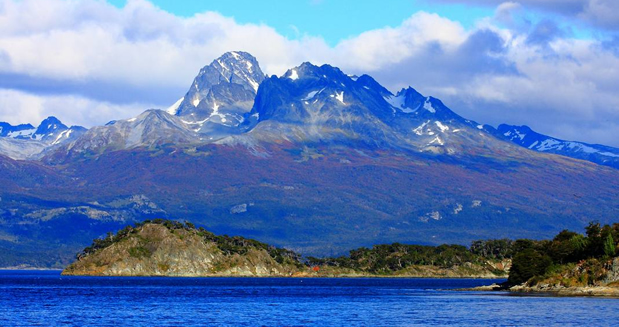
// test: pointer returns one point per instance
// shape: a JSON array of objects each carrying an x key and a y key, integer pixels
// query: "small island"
[
  {"x": 169, "y": 248},
  {"x": 570, "y": 264}
]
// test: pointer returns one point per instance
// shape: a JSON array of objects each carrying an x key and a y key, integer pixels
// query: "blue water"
[{"x": 44, "y": 298}]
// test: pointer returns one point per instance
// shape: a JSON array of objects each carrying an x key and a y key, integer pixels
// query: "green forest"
[{"x": 534, "y": 261}]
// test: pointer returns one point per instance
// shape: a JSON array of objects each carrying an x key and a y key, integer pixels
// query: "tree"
[
  {"x": 594, "y": 239},
  {"x": 526, "y": 264},
  {"x": 609, "y": 246},
  {"x": 567, "y": 247}
]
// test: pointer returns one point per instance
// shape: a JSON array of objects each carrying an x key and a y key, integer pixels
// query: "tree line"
[{"x": 534, "y": 259}]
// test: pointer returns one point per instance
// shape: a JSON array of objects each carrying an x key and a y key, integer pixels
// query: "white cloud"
[
  {"x": 138, "y": 44},
  {"x": 560, "y": 86},
  {"x": 597, "y": 13},
  {"x": 505, "y": 12},
  {"x": 71, "y": 110},
  {"x": 372, "y": 50}
]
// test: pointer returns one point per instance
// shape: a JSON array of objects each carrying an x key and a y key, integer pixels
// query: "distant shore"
[
  {"x": 29, "y": 268},
  {"x": 300, "y": 274}
]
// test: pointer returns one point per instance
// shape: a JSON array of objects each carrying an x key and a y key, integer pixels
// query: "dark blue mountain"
[
  {"x": 19, "y": 131},
  {"x": 526, "y": 137},
  {"x": 49, "y": 128},
  {"x": 322, "y": 104}
]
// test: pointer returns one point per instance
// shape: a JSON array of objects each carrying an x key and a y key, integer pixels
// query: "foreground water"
[{"x": 45, "y": 298}]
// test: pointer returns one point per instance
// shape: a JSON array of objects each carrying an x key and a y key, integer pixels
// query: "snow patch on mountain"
[
  {"x": 173, "y": 109},
  {"x": 437, "y": 140},
  {"x": 22, "y": 134},
  {"x": 339, "y": 97},
  {"x": 311, "y": 95},
  {"x": 428, "y": 106},
  {"x": 235, "y": 55},
  {"x": 398, "y": 102},
  {"x": 515, "y": 133},
  {"x": 419, "y": 129},
  {"x": 63, "y": 135},
  {"x": 442, "y": 127},
  {"x": 549, "y": 144},
  {"x": 293, "y": 75}
]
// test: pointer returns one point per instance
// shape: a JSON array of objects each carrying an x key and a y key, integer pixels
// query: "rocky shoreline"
[{"x": 556, "y": 290}]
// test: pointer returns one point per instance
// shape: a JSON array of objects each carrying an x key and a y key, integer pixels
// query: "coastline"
[
  {"x": 554, "y": 290},
  {"x": 294, "y": 275},
  {"x": 596, "y": 291},
  {"x": 31, "y": 268}
]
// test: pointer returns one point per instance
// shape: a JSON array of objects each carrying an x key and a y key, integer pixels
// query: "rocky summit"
[
  {"x": 314, "y": 160},
  {"x": 172, "y": 249},
  {"x": 221, "y": 94}
]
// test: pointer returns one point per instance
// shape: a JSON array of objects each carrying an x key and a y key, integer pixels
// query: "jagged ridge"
[{"x": 526, "y": 137}]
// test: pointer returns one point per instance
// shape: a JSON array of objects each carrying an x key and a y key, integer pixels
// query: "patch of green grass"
[{"x": 139, "y": 252}]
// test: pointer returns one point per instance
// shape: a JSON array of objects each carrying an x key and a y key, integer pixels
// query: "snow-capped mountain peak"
[
  {"x": 49, "y": 128},
  {"x": 221, "y": 94},
  {"x": 27, "y": 142},
  {"x": 22, "y": 131},
  {"x": 526, "y": 137}
]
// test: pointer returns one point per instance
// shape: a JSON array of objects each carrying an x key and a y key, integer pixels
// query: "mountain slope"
[
  {"x": 27, "y": 142},
  {"x": 327, "y": 199},
  {"x": 526, "y": 137},
  {"x": 151, "y": 129}
]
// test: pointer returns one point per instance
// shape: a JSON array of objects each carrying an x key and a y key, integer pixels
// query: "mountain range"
[
  {"x": 524, "y": 136},
  {"x": 25, "y": 141},
  {"x": 314, "y": 160}
]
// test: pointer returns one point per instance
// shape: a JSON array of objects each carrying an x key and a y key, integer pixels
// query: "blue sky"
[
  {"x": 333, "y": 20},
  {"x": 552, "y": 65}
]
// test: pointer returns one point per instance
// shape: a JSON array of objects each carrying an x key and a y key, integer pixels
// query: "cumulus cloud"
[
  {"x": 88, "y": 62},
  {"x": 545, "y": 32},
  {"x": 20, "y": 107},
  {"x": 506, "y": 11},
  {"x": 77, "y": 39},
  {"x": 598, "y": 13},
  {"x": 137, "y": 54},
  {"x": 374, "y": 49}
]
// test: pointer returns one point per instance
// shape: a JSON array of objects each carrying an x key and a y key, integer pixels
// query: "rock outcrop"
[
  {"x": 170, "y": 249},
  {"x": 582, "y": 279}
]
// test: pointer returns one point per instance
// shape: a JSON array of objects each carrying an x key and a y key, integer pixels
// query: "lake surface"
[{"x": 44, "y": 298}]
